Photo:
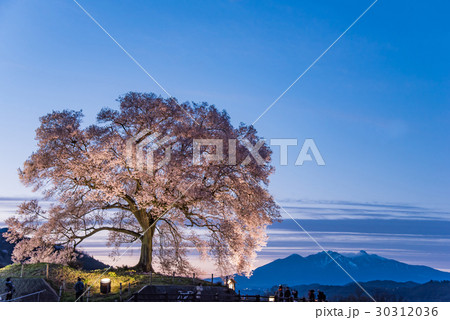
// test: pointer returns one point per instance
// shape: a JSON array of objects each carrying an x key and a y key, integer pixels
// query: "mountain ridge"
[{"x": 320, "y": 268}]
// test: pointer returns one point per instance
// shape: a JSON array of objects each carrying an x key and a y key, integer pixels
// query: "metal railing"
[
  {"x": 196, "y": 297},
  {"x": 38, "y": 293}
]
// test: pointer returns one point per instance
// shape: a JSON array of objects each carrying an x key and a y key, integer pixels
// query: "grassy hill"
[{"x": 59, "y": 275}]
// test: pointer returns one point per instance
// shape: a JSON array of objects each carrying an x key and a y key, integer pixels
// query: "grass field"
[{"x": 64, "y": 276}]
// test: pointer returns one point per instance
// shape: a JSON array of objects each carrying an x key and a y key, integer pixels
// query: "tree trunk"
[{"x": 145, "y": 261}]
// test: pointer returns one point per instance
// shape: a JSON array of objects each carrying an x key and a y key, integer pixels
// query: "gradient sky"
[{"x": 376, "y": 105}]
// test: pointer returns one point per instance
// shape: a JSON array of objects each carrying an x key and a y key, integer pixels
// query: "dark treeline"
[{"x": 382, "y": 291}]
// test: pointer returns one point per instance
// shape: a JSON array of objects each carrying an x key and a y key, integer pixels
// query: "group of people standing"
[
  {"x": 285, "y": 294},
  {"x": 321, "y": 297}
]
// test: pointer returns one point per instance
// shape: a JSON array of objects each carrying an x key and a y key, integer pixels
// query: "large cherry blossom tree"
[{"x": 175, "y": 205}]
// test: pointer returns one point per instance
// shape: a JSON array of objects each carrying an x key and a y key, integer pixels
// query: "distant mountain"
[
  {"x": 88, "y": 262},
  {"x": 84, "y": 260},
  {"x": 6, "y": 249},
  {"x": 320, "y": 268}
]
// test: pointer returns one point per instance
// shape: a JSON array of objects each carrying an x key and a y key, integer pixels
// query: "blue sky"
[{"x": 377, "y": 104}]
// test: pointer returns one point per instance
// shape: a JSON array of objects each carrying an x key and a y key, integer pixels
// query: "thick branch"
[{"x": 121, "y": 230}]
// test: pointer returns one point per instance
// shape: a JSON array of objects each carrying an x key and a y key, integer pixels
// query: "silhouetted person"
[
  {"x": 9, "y": 289},
  {"x": 311, "y": 296},
  {"x": 321, "y": 297},
  {"x": 287, "y": 294},
  {"x": 279, "y": 293},
  {"x": 79, "y": 289},
  {"x": 295, "y": 294}
]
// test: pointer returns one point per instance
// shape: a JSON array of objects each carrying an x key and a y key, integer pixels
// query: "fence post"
[
  {"x": 212, "y": 278},
  {"x": 46, "y": 272},
  {"x": 60, "y": 293},
  {"x": 193, "y": 278},
  {"x": 120, "y": 292},
  {"x": 173, "y": 277},
  {"x": 129, "y": 289},
  {"x": 21, "y": 271}
]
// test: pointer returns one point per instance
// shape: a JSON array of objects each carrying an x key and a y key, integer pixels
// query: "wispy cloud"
[
  {"x": 408, "y": 233},
  {"x": 336, "y": 210}
]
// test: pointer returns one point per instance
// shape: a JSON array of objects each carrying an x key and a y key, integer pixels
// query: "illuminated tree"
[{"x": 218, "y": 208}]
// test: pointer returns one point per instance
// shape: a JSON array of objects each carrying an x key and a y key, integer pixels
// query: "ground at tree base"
[{"x": 60, "y": 275}]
